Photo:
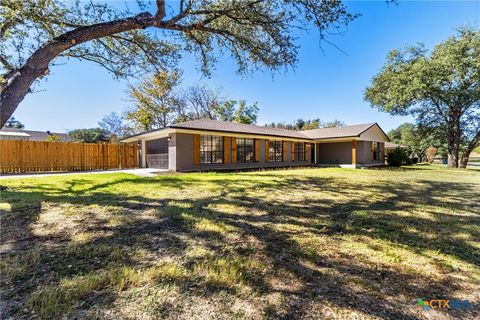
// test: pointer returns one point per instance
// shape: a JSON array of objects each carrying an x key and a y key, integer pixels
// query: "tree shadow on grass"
[{"x": 340, "y": 280}]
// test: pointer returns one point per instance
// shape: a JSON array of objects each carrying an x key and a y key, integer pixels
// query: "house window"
[
  {"x": 211, "y": 149},
  {"x": 375, "y": 147},
  {"x": 245, "y": 150},
  {"x": 275, "y": 150},
  {"x": 299, "y": 151}
]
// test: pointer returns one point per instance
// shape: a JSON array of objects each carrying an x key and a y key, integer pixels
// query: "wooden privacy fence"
[{"x": 30, "y": 156}]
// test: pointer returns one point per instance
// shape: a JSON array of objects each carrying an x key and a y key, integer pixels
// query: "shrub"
[{"x": 397, "y": 157}]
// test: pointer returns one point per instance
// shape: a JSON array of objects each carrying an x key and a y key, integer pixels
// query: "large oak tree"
[
  {"x": 440, "y": 88},
  {"x": 129, "y": 42}
]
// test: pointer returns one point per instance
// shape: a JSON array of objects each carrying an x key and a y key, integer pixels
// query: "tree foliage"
[
  {"x": 154, "y": 102},
  {"x": 246, "y": 114},
  {"x": 54, "y": 138},
  {"x": 92, "y": 135},
  {"x": 160, "y": 101},
  {"x": 199, "y": 101},
  {"x": 130, "y": 41},
  {"x": 14, "y": 123},
  {"x": 417, "y": 138},
  {"x": 115, "y": 126},
  {"x": 441, "y": 88},
  {"x": 397, "y": 157},
  {"x": 301, "y": 124}
]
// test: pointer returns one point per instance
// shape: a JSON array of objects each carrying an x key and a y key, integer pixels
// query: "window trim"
[
  {"x": 242, "y": 149},
  {"x": 213, "y": 151},
  {"x": 375, "y": 147},
  {"x": 300, "y": 155},
  {"x": 275, "y": 151}
]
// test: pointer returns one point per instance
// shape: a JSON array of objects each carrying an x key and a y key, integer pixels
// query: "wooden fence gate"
[{"x": 34, "y": 156}]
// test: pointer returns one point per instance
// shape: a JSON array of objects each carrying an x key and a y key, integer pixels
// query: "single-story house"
[
  {"x": 216, "y": 145},
  {"x": 29, "y": 135}
]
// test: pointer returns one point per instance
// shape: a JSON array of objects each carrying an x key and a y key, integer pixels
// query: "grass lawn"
[{"x": 289, "y": 244}]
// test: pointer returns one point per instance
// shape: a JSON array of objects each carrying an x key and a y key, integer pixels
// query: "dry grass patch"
[{"x": 291, "y": 244}]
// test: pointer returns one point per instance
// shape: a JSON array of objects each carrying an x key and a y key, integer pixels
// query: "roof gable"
[
  {"x": 338, "y": 132},
  {"x": 374, "y": 133}
]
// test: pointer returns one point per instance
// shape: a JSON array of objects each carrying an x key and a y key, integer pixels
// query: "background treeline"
[{"x": 301, "y": 124}]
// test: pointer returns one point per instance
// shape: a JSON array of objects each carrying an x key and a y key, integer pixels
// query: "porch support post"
[
  {"x": 144, "y": 154},
  {"x": 315, "y": 152},
  {"x": 354, "y": 153}
]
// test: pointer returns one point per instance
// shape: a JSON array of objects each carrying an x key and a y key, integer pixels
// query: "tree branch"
[{"x": 160, "y": 10}]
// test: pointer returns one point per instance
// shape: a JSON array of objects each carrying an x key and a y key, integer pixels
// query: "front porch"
[{"x": 347, "y": 153}]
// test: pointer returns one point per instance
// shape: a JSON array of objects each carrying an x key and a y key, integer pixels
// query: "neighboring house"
[
  {"x": 29, "y": 135},
  {"x": 215, "y": 145}
]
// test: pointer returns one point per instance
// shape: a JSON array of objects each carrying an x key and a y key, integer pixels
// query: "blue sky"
[{"x": 326, "y": 84}]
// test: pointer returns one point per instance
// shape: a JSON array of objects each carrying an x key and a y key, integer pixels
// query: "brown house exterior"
[{"x": 219, "y": 145}]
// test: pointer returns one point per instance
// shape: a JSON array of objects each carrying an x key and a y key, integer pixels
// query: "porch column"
[
  {"x": 315, "y": 152},
  {"x": 144, "y": 154},
  {"x": 354, "y": 153}
]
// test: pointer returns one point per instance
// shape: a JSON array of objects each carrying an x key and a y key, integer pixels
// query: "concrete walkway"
[{"x": 143, "y": 172}]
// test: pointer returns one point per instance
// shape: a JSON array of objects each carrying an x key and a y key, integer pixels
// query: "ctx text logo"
[{"x": 443, "y": 304}]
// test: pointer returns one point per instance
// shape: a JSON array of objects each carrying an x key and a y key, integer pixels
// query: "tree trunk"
[
  {"x": 452, "y": 159},
  {"x": 453, "y": 151},
  {"x": 19, "y": 81},
  {"x": 471, "y": 146},
  {"x": 453, "y": 139},
  {"x": 464, "y": 160}
]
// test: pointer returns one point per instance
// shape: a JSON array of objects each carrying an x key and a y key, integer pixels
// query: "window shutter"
[
  {"x": 266, "y": 150},
  {"x": 307, "y": 151},
  {"x": 293, "y": 151},
  {"x": 196, "y": 149},
  {"x": 226, "y": 150},
  {"x": 257, "y": 150},
  {"x": 354, "y": 152},
  {"x": 234, "y": 150},
  {"x": 284, "y": 150}
]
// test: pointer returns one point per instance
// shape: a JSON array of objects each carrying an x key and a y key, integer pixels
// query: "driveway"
[{"x": 142, "y": 172}]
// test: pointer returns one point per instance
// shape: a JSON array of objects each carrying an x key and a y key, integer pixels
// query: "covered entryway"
[{"x": 157, "y": 153}]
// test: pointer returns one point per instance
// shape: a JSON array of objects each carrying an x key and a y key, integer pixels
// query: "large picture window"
[
  {"x": 275, "y": 150},
  {"x": 299, "y": 151},
  {"x": 245, "y": 150},
  {"x": 375, "y": 151},
  {"x": 211, "y": 149}
]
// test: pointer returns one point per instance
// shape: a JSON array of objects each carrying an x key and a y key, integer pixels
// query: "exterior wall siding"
[
  {"x": 340, "y": 153},
  {"x": 364, "y": 156},
  {"x": 337, "y": 153},
  {"x": 181, "y": 157},
  {"x": 184, "y": 151}
]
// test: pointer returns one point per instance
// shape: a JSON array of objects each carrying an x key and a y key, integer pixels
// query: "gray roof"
[
  {"x": 338, "y": 132},
  {"x": 232, "y": 127},
  {"x": 37, "y": 135},
  {"x": 225, "y": 126}
]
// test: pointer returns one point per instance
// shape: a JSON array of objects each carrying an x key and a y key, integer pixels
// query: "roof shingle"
[
  {"x": 232, "y": 127},
  {"x": 37, "y": 135},
  {"x": 225, "y": 126},
  {"x": 337, "y": 132}
]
